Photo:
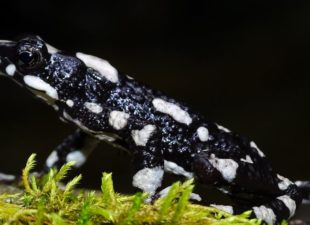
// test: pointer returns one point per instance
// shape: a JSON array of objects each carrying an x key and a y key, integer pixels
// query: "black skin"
[{"x": 255, "y": 183}]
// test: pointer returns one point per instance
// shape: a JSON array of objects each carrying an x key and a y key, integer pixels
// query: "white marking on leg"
[
  {"x": 93, "y": 107},
  {"x": 284, "y": 183},
  {"x": 101, "y": 65},
  {"x": 39, "y": 84},
  {"x": 76, "y": 156},
  {"x": 118, "y": 119},
  {"x": 6, "y": 177},
  {"x": 247, "y": 159},
  {"x": 203, "y": 134},
  {"x": 193, "y": 196},
  {"x": 172, "y": 110},
  {"x": 226, "y": 208},
  {"x": 141, "y": 137},
  {"x": 10, "y": 69},
  {"x": 253, "y": 145},
  {"x": 172, "y": 167},
  {"x": 148, "y": 179},
  {"x": 289, "y": 203},
  {"x": 264, "y": 213},
  {"x": 223, "y": 128},
  {"x": 227, "y": 167},
  {"x": 70, "y": 103},
  {"x": 52, "y": 159}
]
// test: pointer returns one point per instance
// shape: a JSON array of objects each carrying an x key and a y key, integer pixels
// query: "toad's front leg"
[
  {"x": 76, "y": 147},
  {"x": 148, "y": 160}
]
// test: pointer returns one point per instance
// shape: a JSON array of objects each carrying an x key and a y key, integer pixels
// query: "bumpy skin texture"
[{"x": 161, "y": 133}]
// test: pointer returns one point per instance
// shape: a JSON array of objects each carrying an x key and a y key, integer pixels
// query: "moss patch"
[{"x": 43, "y": 201}]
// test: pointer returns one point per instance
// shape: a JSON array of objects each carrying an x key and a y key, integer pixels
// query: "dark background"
[{"x": 242, "y": 64}]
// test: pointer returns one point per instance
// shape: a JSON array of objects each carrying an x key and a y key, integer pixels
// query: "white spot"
[
  {"x": 253, "y": 145},
  {"x": 129, "y": 77},
  {"x": 10, "y": 69},
  {"x": 118, "y": 119},
  {"x": 105, "y": 137},
  {"x": 227, "y": 167},
  {"x": 76, "y": 156},
  {"x": 172, "y": 167},
  {"x": 247, "y": 159},
  {"x": 51, "y": 49},
  {"x": 222, "y": 128},
  {"x": 193, "y": 196},
  {"x": 285, "y": 183},
  {"x": 142, "y": 136},
  {"x": 224, "y": 190},
  {"x": 203, "y": 134},
  {"x": 55, "y": 107},
  {"x": 264, "y": 213},
  {"x": 101, "y": 65},
  {"x": 226, "y": 208},
  {"x": 148, "y": 179},
  {"x": 6, "y": 177},
  {"x": 93, "y": 107},
  {"x": 289, "y": 203},
  {"x": 5, "y": 41},
  {"x": 52, "y": 159},
  {"x": 38, "y": 84},
  {"x": 70, "y": 103},
  {"x": 172, "y": 110}
]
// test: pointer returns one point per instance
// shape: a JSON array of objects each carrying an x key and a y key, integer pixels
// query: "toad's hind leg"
[{"x": 273, "y": 198}]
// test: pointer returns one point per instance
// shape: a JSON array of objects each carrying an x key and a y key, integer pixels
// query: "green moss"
[{"x": 44, "y": 202}]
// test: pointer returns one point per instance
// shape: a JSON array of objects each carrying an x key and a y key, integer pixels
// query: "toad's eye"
[{"x": 29, "y": 59}]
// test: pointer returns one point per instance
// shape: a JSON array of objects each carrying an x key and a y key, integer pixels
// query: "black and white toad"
[{"x": 163, "y": 135}]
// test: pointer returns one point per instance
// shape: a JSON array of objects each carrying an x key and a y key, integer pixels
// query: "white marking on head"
[
  {"x": 141, "y": 137},
  {"x": 40, "y": 85},
  {"x": 253, "y": 145},
  {"x": 247, "y": 159},
  {"x": 101, "y": 65},
  {"x": 226, "y": 208},
  {"x": 284, "y": 183},
  {"x": 76, "y": 156},
  {"x": 52, "y": 159},
  {"x": 51, "y": 49},
  {"x": 129, "y": 77},
  {"x": 289, "y": 203},
  {"x": 227, "y": 167},
  {"x": 118, "y": 119},
  {"x": 93, "y": 107},
  {"x": 148, "y": 179},
  {"x": 172, "y": 110},
  {"x": 70, "y": 103},
  {"x": 203, "y": 134},
  {"x": 172, "y": 167},
  {"x": 264, "y": 213},
  {"x": 10, "y": 69}
]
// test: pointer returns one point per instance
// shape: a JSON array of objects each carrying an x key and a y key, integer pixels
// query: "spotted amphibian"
[{"x": 163, "y": 135}]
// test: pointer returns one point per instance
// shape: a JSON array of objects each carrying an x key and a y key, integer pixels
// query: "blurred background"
[{"x": 244, "y": 64}]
